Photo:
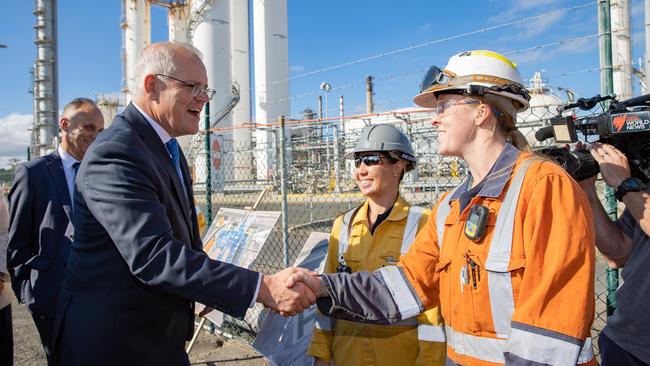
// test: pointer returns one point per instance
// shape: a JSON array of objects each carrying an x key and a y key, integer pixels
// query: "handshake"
[{"x": 291, "y": 291}]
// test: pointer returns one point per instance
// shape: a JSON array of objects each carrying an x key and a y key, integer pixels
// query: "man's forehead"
[{"x": 191, "y": 70}]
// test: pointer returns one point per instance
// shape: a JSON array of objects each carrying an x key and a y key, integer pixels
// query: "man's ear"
[
  {"x": 64, "y": 123},
  {"x": 150, "y": 86}
]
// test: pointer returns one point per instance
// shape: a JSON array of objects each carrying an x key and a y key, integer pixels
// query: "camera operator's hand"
[
  {"x": 587, "y": 184},
  {"x": 613, "y": 164}
]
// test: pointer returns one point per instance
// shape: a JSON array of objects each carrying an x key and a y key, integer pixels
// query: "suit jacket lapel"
[
  {"x": 187, "y": 179},
  {"x": 160, "y": 152},
  {"x": 55, "y": 166}
]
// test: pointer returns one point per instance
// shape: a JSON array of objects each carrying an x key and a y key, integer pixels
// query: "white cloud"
[
  {"x": 14, "y": 137},
  {"x": 296, "y": 68},
  {"x": 424, "y": 27}
]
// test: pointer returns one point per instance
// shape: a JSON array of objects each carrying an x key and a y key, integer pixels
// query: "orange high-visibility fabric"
[
  {"x": 551, "y": 265},
  {"x": 367, "y": 344}
]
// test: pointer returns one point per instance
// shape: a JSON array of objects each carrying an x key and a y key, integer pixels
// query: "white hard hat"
[{"x": 475, "y": 73}]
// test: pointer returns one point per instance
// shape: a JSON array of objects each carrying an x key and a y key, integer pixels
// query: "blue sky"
[{"x": 322, "y": 34}]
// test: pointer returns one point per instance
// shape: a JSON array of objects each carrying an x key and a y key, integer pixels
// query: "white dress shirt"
[
  {"x": 164, "y": 137},
  {"x": 70, "y": 174}
]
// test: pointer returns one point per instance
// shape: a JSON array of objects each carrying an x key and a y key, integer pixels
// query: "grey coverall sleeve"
[{"x": 381, "y": 297}]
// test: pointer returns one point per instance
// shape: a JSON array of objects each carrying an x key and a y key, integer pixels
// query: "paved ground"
[{"x": 208, "y": 350}]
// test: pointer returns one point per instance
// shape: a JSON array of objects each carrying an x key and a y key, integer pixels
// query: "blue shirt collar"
[{"x": 493, "y": 183}]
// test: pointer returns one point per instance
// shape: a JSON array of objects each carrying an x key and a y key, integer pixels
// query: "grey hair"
[{"x": 158, "y": 58}]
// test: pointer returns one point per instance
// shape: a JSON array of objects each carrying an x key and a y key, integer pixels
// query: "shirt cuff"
[{"x": 257, "y": 290}]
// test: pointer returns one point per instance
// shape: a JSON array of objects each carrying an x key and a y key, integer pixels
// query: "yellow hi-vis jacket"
[
  {"x": 529, "y": 298},
  {"x": 415, "y": 341}
]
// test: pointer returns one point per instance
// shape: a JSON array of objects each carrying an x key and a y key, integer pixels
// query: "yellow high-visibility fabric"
[{"x": 353, "y": 343}]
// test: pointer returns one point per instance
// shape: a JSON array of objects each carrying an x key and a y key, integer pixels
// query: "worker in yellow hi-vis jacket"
[{"x": 367, "y": 238}]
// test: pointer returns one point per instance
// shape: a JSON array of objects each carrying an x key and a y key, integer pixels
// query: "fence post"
[
  {"x": 283, "y": 193},
  {"x": 606, "y": 88},
  {"x": 208, "y": 168}
]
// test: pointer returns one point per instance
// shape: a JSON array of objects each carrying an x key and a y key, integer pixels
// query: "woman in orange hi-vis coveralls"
[
  {"x": 367, "y": 238},
  {"x": 509, "y": 254}
]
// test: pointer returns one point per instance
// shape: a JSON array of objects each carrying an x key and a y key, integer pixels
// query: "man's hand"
[
  {"x": 614, "y": 167},
  {"x": 287, "y": 301},
  {"x": 311, "y": 279}
]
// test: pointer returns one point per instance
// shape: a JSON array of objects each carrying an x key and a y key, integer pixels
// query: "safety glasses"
[
  {"x": 370, "y": 160},
  {"x": 441, "y": 107}
]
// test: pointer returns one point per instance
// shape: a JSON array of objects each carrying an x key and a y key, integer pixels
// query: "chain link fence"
[{"x": 318, "y": 183}]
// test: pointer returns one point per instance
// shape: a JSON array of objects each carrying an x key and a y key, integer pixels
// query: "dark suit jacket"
[
  {"x": 39, "y": 233},
  {"x": 136, "y": 264}
]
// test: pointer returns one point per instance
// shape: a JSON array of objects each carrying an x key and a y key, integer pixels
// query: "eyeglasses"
[
  {"x": 371, "y": 160},
  {"x": 197, "y": 90},
  {"x": 441, "y": 107}
]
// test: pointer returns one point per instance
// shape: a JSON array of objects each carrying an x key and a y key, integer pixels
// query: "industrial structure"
[
  {"x": 45, "y": 80},
  {"x": 243, "y": 150}
]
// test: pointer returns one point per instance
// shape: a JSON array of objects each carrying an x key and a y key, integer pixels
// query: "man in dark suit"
[
  {"x": 40, "y": 225},
  {"x": 136, "y": 265}
]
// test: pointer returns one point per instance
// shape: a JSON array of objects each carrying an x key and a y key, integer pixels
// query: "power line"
[{"x": 430, "y": 43}]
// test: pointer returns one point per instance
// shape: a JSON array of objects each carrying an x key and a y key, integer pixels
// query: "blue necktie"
[
  {"x": 75, "y": 167},
  {"x": 175, "y": 152}
]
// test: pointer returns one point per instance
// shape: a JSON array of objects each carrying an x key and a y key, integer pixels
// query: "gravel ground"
[{"x": 208, "y": 350}]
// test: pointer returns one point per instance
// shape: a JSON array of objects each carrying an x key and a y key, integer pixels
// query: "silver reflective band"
[
  {"x": 487, "y": 349},
  {"x": 323, "y": 322},
  {"x": 544, "y": 348},
  {"x": 501, "y": 246},
  {"x": 411, "y": 228},
  {"x": 441, "y": 215},
  {"x": 501, "y": 298},
  {"x": 586, "y": 352},
  {"x": 400, "y": 291},
  {"x": 431, "y": 333},
  {"x": 344, "y": 235}
]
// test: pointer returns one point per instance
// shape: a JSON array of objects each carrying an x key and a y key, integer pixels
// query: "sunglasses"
[{"x": 371, "y": 160}]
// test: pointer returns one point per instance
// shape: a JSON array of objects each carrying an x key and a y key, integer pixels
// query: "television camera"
[{"x": 624, "y": 124}]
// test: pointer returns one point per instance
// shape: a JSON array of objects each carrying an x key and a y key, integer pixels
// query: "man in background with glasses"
[{"x": 136, "y": 265}]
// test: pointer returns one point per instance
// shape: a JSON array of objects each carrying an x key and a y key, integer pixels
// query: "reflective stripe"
[
  {"x": 344, "y": 235},
  {"x": 501, "y": 246},
  {"x": 441, "y": 215},
  {"x": 431, "y": 333},
  {"x": 543, "y": 346},
  {"x": 482, "y": 348},
  {"x": 587, "y": 351},
  {"x": 501, "y": 301},
  {"x": 501, "y": 298},
  {"x": 323, "y": 322},
  {"x": 400, "y": 291},
  {"x": 411, "y": 228}
]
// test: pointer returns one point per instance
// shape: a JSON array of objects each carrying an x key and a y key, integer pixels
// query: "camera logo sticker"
[
  {"x": 618, "y": 122},
  {"x": 630, "y": 122}
]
